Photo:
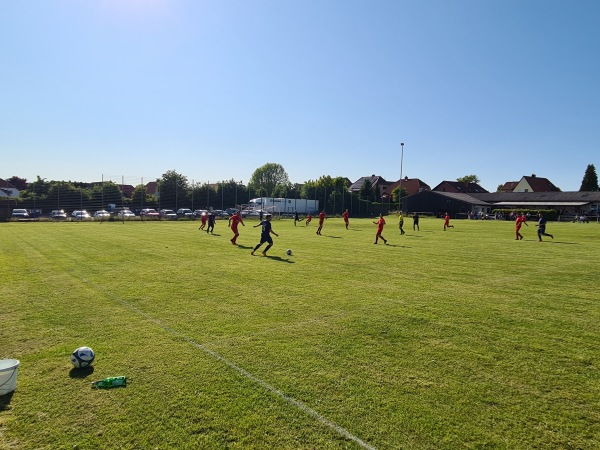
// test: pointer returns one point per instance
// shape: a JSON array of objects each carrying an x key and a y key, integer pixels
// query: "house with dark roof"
[
  {"x": 7, "y": 190},
  {"x": 437, "y": 203},
  {"x": 378, "y": 184},
  {"x": 410, "y": 185},
  {"x": 575, "y": 202},
  {"x": 535, "y": 184},
  {"x": 509, "y": 186},
  {"x": 459, "y": 187}
]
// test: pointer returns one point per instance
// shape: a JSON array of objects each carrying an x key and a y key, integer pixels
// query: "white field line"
[{"x": 292, "y": 401}]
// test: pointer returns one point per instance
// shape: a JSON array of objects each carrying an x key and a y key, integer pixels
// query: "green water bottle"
[{"x": 110, "y": 382}]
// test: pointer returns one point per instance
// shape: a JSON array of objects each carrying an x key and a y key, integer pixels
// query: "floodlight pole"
[{"x": 400, "y": 186}]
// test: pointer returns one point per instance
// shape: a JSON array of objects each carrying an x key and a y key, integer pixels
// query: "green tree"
[
  {"x": 266, "y": 178},
  {"x": 395, "y": 192},
  {"x": 173, "y": 190},
  {"x": 590, "y": 179},
  {"x": 19, "y": 183},
  {"x": 366, "y": 191},
  {"x": 469, "y": 179}
]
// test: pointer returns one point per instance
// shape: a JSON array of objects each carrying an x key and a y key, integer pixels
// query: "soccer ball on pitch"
[
  {"x": 82, "y": 357},
  {"x": 288, "y": 252}
]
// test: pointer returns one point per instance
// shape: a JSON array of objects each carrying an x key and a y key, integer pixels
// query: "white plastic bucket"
[{"x": 8, "y": 375}]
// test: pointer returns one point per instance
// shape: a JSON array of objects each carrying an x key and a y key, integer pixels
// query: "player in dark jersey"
[
  {"x": 542, "y": 228},
  {"x": 265, "y": 235}
]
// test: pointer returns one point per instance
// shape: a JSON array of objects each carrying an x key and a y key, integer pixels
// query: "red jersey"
[
  {"x": 235, "y": 219},
  {"x": 519, "y": 221},
  {"x": 447, "y": 219},
  {"x": 321, "y": 217},
  {"x": 380, "y": 223},
  {"x": 345, "y": 216}
]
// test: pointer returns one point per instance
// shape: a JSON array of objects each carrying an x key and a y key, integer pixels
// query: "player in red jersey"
[
  {"x": 522, "y": 219},
  {"x": 321, "y": 220},
  {"x": 447, "y": 222},
  {"x": 308, "y": 218},
  {"x": 380, "y": 224},
  {"x": 234, "y": 220},
  {"x": 203, "y": 218},
  {"x": 345, "y": 216}
]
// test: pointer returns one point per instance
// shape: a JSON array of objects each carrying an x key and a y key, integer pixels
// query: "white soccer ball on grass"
[{"x": 82, "y": 357}]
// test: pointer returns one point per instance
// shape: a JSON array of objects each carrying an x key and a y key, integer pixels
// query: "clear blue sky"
[{"x": 216, "y": 88}]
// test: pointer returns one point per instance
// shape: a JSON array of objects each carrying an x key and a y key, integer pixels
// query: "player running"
[
  {"x": 265, "y": 235},
  {"x": 234, "y": 220},
  {"x": 308, "y": 218},
  {"x": 520, "y": 220},
  {"x": 322, "y": 218},
  {"x": 345, "y": 216},
  {"x": 447, "y": 222},
  {"x": 380, "y": 224},
  {"x": 542, "y": 228}
]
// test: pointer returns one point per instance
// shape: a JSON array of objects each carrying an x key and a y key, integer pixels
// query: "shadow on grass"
[
  {"x": 560, "y": 242},
  {"x": 397, "y": 246},
  {"x": 280, "y": 259},
  {"x": 81, "y": 373},
  {"x": 331, "y": 237},
  {"x": 5, "y": 400},
  {"x": 244, "y": 247}
]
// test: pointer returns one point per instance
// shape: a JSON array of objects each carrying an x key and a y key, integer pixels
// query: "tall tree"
[
  {"x": 590, "y": 179},
  {"x": 469, "y": 179},
  {"x": 267, "y": 177},
  {"x": 173, "y": 190},
  {"x": 19, "y": 183}
]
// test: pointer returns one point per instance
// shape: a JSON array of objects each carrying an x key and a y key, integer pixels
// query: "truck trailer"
[{"x": 284, "y": 205}]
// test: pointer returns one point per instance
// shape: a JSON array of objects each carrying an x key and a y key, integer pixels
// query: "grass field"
[{"x": 440, "y": 340}]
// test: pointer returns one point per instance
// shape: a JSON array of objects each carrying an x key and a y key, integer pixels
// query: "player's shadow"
[
  {"x": 398, "y": 246},
  {"x": 560, "y": 242},
  {"x": 332, "y": 237},
  {"x": 215, "y": 234},
  {"x": 81, "y": 373},
  {"x": 243, "y": 247},
  {"x": 5, "y": 400},
  {"x": 280, "y": 259}
]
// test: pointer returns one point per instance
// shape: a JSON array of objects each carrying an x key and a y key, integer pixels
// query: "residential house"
[
  {"x": 7, "y": 190},
  {"x": 410, "y": 185},
  {"x": 378, "y": 184},
  {"x": 535, "y": 184},
  {"x": 459, "y": 187}
]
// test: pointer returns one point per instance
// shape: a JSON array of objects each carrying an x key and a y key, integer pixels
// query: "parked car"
[
  {"x": 80, "y": 214},
  {"x": 168, "y": 214},
  {"x": 102, "y": 214},
  {"x": 149, "y": 212},
  {"x": 200, "y": 212},
  {"x": 125, "y": 214},
  {"x": 20, "y": 214},
  {"x": 58, "y": 214},
  {"x": 185, "y": 212}
]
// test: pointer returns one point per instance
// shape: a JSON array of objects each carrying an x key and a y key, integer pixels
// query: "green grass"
[{"x": 441, "y": 340}]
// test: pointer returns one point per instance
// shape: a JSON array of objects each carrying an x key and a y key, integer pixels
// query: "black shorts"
[{"x": 266, "y": 238}]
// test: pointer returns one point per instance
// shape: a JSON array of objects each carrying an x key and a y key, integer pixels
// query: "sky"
[{"x": 214, "y": 89}]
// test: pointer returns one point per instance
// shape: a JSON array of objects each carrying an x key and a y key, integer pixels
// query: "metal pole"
[{"x": 400, "y": 188}]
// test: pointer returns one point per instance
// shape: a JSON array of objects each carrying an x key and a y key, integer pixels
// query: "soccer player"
[
  {"x": 401, "y": 224},
  {"x": 345, "y": 216},
  {"x": 447, "y": 222},
  {"x": 542, "y": 228},
  {"x": 321, "y": 220},
  {"x": 520, "y": 220},
  {"x": 203, "y": 219},
  {"x": 296, "y": 217},
  {"x": 415, "y": 222},
  {"x": 211, "y": 222},
  {"x": 265, "y": 235},
  {"x": 308, "y": 218},
  {"x": 380, "y": 224},
  {"x": 234, "y": 220}
]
